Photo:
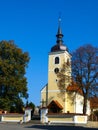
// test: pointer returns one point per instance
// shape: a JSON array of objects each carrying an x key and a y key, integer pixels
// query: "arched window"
[{"x": 56, "y": 60}]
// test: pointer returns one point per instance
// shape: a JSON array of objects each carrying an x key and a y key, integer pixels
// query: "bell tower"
[
  {"x": 60, "y": 96},
  {"x": 57, "y": 57}
]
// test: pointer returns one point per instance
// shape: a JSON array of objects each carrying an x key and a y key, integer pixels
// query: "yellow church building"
[{"x": 56, "y": 100}]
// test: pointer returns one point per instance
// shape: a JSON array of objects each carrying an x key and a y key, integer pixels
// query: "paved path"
[{"x": 13, "y": 126}]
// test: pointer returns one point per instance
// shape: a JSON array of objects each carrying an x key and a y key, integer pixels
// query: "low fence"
[
  {"x": 72, "y": 118},
  {"x": 67, "y": 118},
  {"x": 11, "y": 117},
  {"x": 16, "y": 117}
]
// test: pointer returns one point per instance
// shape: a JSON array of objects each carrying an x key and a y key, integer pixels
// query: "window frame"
[{"x": 57, "y": 60}]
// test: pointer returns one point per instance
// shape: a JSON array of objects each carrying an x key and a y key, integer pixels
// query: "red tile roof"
[
  {"x": 74, "y": 88},
  {"x": 56, "y": 103},
  {"x": 94, "y": 102}
]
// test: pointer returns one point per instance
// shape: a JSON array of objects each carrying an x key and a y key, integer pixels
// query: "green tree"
[
  {"x": 13, "y": 83},
  {"x": 85, "y": 71},
  {"x": 30, "y": 104}
]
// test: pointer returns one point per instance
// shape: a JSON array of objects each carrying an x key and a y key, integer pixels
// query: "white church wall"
[{"x": 79, "y": 104}]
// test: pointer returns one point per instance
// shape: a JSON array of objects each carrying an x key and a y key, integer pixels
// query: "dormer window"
[{"x": 56, "y": 60}]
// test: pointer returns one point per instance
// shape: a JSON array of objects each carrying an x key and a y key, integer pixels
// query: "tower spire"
[
  {"x": 59, "y": 33},
  {"x": 59, "y": 26},
  {"x": 59, "y": 43}
]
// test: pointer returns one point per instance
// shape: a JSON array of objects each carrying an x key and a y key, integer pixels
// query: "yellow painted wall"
[
  {"x": 52, "y": 77},
  {"x": 80, "y": 119},
  {"x": 64, "y": 99},
  {"x": 67, "y": 119},
  {"x": 53, "y": 90},
  {"x": 10, "y": 118},
  {"x": 43, "y": 96}
]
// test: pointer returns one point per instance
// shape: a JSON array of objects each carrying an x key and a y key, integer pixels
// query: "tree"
[
  {"x": 64, "y": 78},
  {"x": 85, "y": 71},
  {"x": 18, "y": 106},
  {"x": 13, "y": 83},
  {"x": 30, "y": 104}
]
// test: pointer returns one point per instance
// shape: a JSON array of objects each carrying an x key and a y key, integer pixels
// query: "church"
[{"x": 70, "y": 99}]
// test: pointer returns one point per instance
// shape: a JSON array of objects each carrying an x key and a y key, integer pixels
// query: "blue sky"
[{"x": 33, "y": 24}]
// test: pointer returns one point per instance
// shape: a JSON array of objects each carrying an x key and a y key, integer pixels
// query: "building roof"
[
  {"x": 74, "y": 88},
  {"x": 44, "y": 87},
  {"x": 56, "y": 103},
  {"x": 93, "y": 102}
]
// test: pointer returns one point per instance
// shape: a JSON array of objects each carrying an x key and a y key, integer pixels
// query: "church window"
[
  {"x": 56, "y": 70},
  {"x": 56, "y": 60}
]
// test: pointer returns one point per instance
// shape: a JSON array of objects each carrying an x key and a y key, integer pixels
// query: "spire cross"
[{"x": 59, "y": 20}]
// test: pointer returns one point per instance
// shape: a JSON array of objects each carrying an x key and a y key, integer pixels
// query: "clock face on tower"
[{"x": 56, "y": 70}]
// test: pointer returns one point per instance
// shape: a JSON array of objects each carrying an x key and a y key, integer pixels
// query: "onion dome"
[{"x": 59, "y": 43}]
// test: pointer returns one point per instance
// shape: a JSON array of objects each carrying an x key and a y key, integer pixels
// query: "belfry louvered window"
[{"x": 56, "y": 60}]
